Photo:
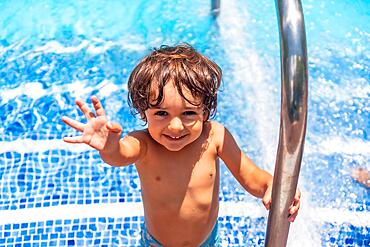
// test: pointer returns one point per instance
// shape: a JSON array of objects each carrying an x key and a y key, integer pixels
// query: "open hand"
[{"x": 98, "y": 132}]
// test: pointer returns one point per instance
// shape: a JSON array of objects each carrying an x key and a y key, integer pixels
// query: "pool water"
[{"x": 51, "y": 52}]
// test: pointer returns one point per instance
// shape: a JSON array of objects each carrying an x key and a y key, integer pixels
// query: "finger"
[
  {"x": 294, "y": 208},
  {"x": 297, "y": 195},
  {"x": 114, "y": 127},
  {"x": 85, "y": 110},
  {"x": 297, "y": 198},
  {"x": 73, "y": 139},
  {"x": 266, "y": 200},
  {"x": 73, "y": 123},
  {"x": 267, "y": 197},
  {"x": 296, "y": 201},
  {"x": 291, "y": 218},
  {"x": 98, "y": 106}
]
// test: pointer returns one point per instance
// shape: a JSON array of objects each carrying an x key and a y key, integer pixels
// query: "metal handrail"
[
  {"x": 293, "y": 115},
  {"x": 215, "y": 7},
  {"x": 293, "y": 118}
]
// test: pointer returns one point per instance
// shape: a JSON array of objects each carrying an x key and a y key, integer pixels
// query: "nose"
[{"x": 176, "y": 124}]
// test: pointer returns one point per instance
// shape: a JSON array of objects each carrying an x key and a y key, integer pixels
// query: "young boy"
[{"x": 174, "y": 89}]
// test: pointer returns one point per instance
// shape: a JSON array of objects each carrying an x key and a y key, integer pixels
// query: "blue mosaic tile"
[
  {"x": 40, "y": 191},
  {"x": 345, "y": 235},
  {"x": 118, "y": 231}
]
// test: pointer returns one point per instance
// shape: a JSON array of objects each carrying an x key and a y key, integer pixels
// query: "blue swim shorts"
[{"x": 147, "y": 240}]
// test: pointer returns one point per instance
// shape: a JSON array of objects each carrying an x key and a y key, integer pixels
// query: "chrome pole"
[
  {"x": 215, "y": 7},
  {"x": 293, "y": 118}
]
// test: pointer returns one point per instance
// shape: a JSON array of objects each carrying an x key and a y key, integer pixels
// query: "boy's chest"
[
  {"x": 173, "y": 170},
  {"x": 176, "y": 189},
  {"x": 178, "y": 174}
]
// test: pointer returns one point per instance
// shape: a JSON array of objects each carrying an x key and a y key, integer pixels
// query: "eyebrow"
[
  {"x": 192, "y": 107},
  {"x": 186, "y": 108}
]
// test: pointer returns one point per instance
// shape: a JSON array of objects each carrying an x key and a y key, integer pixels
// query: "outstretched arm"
[{"x": 105, "y": 136}]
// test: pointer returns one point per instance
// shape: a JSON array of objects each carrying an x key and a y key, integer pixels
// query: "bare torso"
[{"x": 180, "y": 190}]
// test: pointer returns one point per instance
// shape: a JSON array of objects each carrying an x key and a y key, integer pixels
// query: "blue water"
[{"x": 52, "y": 53}]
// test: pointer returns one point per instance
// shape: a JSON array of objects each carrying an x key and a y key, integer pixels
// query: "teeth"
[{"x": 175, "y": 137}]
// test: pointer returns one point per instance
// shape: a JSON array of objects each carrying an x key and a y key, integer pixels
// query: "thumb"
[
  {"x": 114, "y": 127},
  {"x": 267, "y": 199}
]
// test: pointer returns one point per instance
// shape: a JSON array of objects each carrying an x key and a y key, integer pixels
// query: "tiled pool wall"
[
  {"x": 57, "y": 179},
  {"x": 234, "y": 231},
  {"x": 107, "y": 231}
]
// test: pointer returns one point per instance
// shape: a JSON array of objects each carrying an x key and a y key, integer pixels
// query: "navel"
[{"x": 158, "y": 178}]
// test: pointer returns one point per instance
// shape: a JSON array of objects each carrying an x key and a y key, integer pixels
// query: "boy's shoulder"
[
  {"x": 141, "y": 135},
  {"x": 215, "y": 125},
  {"x": 217, "y": 131},
  {"x": 221, "y": 134}
]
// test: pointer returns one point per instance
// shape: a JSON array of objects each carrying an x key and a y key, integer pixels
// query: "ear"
[
  {"x": 142, "y": 115},
  {"x": 205, "y": 115}
]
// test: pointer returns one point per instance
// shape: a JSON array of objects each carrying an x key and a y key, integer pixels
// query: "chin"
[{"x": 173, "y": 149}]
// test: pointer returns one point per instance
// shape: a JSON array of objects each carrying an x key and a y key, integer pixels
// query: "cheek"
[
  {"x": 149, "y": 117},
  {"x": 198, "y": 127},
  {"x": 154, "y": 126},
  {"x": 154, "y": 132}
]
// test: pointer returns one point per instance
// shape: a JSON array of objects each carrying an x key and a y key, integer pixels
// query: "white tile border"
[
  {"x": 349, "y": 146},
  {"x": 117, "y": 210}
]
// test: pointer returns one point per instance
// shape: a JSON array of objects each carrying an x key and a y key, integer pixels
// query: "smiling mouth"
[{"x": 174, "y": 138}]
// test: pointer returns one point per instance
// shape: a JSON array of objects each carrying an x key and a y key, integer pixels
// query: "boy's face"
[{"x": 175, "y": 123}]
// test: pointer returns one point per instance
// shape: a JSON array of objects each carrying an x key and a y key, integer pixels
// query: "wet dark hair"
[{"x": 183, "y": 66}]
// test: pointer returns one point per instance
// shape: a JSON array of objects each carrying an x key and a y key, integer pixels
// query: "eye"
[
  {"x": 161, "y": 113},
  {"x": 189, "y": 113}
]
